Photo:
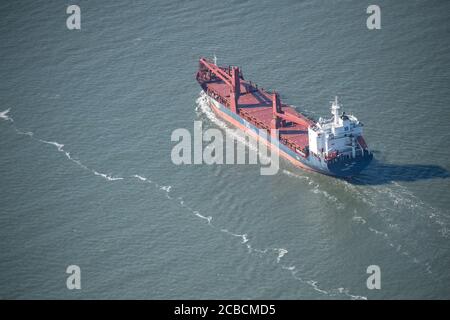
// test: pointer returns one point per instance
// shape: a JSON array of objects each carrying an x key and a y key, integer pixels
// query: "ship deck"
[{"x": 255, "y": 106}]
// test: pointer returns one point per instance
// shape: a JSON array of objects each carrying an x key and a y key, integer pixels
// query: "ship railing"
[
  {"x": 217, "y": 96},
  {"x": 253, "y": 120},
  {"x": 303, "y": 151}
]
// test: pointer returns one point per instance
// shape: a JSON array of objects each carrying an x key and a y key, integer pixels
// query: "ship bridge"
[{"x": 340, "y": 135}]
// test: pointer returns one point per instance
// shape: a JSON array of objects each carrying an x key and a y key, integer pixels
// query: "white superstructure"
[{"x": 340, "y": 135}]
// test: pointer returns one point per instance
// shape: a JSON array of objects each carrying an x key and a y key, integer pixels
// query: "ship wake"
[{"x": 384, "y": 221}]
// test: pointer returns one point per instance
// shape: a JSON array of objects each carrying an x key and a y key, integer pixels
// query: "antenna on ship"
[
  {"x": 215, "y": 59},
  {"x": 335, "y": 110}
]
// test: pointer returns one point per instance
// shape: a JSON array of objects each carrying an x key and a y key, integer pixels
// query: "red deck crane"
[{"x": 232, "y": 81}]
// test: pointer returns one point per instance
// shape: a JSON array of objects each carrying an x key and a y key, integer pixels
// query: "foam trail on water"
[
  {"x": 242, "y": 236},
  {"x": 402, "y": 196},
  {"x": 316, "y": 287},
  {"x": 208, "y": 218},
  {"x": 315, "y": 188},
  {"x": 107, "y": 177},
  {"x": 245, "y": 240},
  {"x": 359, "y": 219},
  {"x": 365, "y": 198},
  {"x": 397, "y": 247},
  {"x": 58, "y": 146},
  {"x": 297, "y": 176},
  {"x": 281, "y": 253},
  {"x": 140, "y": 177},
  {"x": 290, "y": 268},
  {"x": 385, "y": 236},
  {"x": 4, "y": 115},
  {"x": 399, "y": 196},
  {"x": 166, "y": 188}
]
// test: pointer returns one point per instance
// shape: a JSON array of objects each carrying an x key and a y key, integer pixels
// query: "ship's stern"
[{"x": 347, "y": 166}]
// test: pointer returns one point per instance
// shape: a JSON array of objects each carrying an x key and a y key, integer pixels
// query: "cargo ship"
[{"x": 333, "y": 146}]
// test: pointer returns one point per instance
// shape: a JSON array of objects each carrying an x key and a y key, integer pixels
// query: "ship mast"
[{"x": 335, "y": 107}]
